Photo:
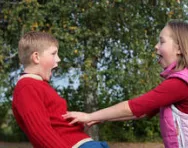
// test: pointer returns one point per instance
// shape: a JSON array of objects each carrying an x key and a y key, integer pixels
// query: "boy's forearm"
[{"x": 120, "y": 110}]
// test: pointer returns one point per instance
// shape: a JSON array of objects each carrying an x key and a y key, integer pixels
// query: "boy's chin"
[{"x": 47, "y": 78}]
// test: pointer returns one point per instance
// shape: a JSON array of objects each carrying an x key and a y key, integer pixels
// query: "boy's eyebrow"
[{"x": 55, "y": 50}]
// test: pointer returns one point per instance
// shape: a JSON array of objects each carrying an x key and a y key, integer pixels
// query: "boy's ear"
[{"x": 35, "y": 57}]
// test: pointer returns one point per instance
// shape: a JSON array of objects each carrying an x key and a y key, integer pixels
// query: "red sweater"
[
  {"x": 170, "y": 91},
  {"x": 38, "y": 109}
]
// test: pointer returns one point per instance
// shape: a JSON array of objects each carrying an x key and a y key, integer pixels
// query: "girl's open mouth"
[{"x": 158, "y": 57}]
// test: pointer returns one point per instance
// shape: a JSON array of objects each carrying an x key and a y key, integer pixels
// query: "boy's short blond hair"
[{"x": 34, "y": 42}]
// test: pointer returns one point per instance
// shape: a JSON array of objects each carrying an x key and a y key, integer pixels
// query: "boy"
[{"x": 36, "y": 106}]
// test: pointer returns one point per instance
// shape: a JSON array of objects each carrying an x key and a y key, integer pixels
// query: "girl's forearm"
[
  {"x": 127, "y": 118},
  {"x": 120, "y": 110}
]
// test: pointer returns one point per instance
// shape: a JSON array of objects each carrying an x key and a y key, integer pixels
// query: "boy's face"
[
  {"x": 48, "y": 60},
  {"x": 167, "y": 50}
]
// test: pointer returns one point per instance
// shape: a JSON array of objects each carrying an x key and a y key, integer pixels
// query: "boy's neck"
[
  {"x": 30, "y": 75},
  {"x": 32, "y": 71}
]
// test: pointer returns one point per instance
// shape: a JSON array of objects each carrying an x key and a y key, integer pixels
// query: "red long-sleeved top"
[
  {"x": 38, "y": 110},
  {"x": 170, "y": 91}
]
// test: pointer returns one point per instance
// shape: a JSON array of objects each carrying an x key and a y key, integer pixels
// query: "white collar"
[{"x": 29, "y": 75}]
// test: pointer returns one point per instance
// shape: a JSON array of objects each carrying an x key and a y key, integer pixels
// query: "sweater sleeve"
[
  {"x": 171, "y": 91},
  {"x": 31, "y": 115}
]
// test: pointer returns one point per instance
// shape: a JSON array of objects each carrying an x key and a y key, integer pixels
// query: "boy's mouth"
[{"x": 54, "y": 70}]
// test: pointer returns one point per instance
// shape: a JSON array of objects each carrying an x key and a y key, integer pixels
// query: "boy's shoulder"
[
  {"x": 27, "y": 80},
  {"x": 24, "y": 82},
  {"x": 26, "y": 86}
]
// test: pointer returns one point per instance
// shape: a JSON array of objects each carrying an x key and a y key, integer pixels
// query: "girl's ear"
[
  {"x": 35, "y": 57},
  {"x": 178, "y": 51}
]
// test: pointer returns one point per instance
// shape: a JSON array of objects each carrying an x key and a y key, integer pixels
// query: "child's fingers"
[
  {"x": 77, "y": 116},
  {"x": 68, "y": 115},
  {"x": 73, "y": 121},
  {"x": 91, "y": 123}
]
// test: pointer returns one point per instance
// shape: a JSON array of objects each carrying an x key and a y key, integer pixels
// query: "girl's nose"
[{"x": 156, "y": 47}]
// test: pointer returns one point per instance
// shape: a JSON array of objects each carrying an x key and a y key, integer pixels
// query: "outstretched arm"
[
  {"x": 127, "y": 118},
  {"x": 89, "y": 124},
  {"x": 116, "y": 112}
]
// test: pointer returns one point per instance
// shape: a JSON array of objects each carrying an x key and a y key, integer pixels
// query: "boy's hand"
[{"x": 77, "y": 117}]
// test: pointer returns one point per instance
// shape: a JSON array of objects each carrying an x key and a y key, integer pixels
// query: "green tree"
[{"x": 108, "y": 43}]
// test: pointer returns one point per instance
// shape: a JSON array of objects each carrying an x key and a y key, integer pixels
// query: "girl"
[{"x": 170, "y": 98}]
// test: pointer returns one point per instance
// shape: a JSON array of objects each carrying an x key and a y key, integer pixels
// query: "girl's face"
[
  {"x": 166, "y": 49},
  {"x": 48, "y": 61}
]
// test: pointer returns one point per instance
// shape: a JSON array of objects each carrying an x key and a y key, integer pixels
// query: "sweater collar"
[{"x": 30, "y": 75}]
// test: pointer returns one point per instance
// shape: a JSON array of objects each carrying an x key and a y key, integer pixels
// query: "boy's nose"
[{"x": 58, "y": 59}]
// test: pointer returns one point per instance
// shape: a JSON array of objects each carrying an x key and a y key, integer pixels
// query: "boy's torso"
[{"x": 51, "y": 104}]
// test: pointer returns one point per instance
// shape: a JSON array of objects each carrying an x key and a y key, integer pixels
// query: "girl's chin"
[
  {"x": 162, "y": 65},
  {"x": 160, "y": 62}
]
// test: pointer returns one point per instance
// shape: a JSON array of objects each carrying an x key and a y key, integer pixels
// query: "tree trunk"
[{"x": 91, "y": 104}]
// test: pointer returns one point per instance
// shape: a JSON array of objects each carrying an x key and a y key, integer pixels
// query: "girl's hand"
[
  {"x": 89, "y": 124},
  {"x": 77, "y": 117}
]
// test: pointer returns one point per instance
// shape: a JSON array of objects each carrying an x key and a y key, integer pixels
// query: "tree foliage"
[{"x": 109, "y": 44}]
